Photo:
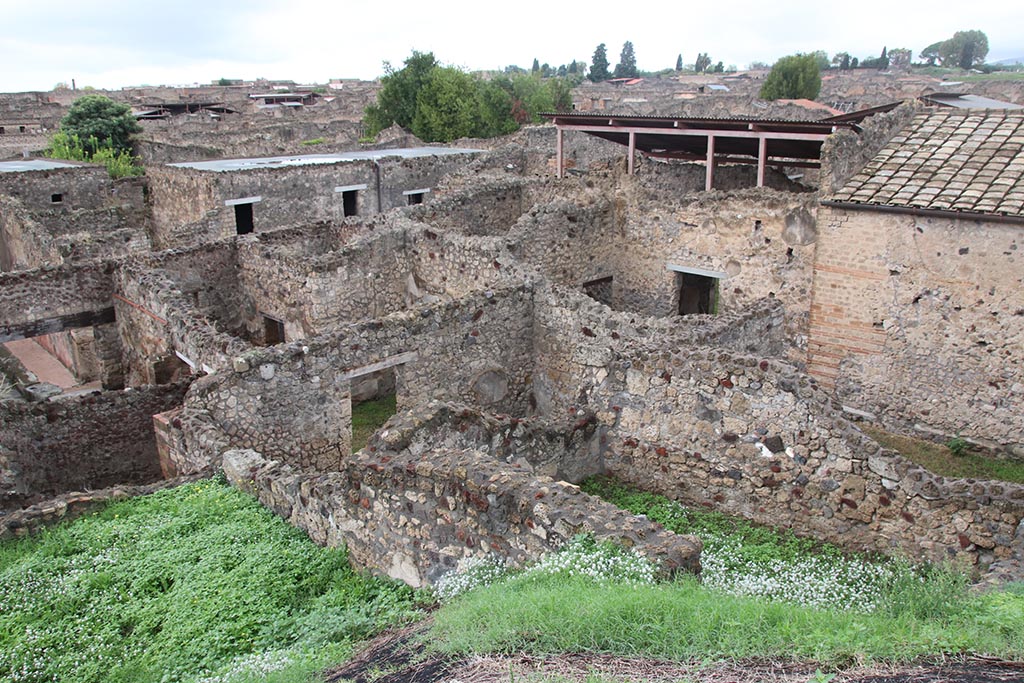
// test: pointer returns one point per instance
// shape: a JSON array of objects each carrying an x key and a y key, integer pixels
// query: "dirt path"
[{"x": 401, "y": 657}]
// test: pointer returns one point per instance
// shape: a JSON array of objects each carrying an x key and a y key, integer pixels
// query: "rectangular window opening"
[
  {"x": 21, "y": 129},
  {"x": 599, "y": 290},
  {"x": 698, "y": 294},
  {"x": 273, "y": 329},
  {"x": 350, "y": 203},
  {"x": 56, "y": 198},
  {"x": 244, "y": 223},
  {"x": 416, "y": 198}
]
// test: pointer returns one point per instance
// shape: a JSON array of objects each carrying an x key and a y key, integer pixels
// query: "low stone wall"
[
  {"x": 567, "y": 450},
  {"x": 69, "y": 506},
  {"x": 752, "y": 437},
  {"x": 415, "y": 517},
  {"x": 88, "y": 442}
]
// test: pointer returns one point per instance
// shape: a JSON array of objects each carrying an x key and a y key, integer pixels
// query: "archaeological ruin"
[{"x": 706, "y": 306}]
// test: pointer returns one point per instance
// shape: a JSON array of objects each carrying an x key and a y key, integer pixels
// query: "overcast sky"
[{"x": 118, "y": 43}]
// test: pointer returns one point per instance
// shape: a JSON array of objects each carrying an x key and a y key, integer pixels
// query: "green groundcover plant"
[
  {"x": 196, "y": 583},
  {"x": 762, "y": 594}
]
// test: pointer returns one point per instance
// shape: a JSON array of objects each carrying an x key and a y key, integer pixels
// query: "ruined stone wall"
[
  {"x": 413, "y": 518},
  {"x": 314, "y": 293},
  {"x": 49, "y": 292},
  {"x": 762, "y": 241},
  {"x": 185, "y": 207},
  {"x": 186, "y": 300},
  {"x": 749, "y": 436},
  {"x": 487, "y": 208},
  {"x": 920, "y": 321},
  {"x": 446, "y": 266},
  {"x": 576, "y": 339},
  {"x": 200, "y": 137},
  {"x": 845, "y": 153},
  {"x": 93, "y": 441},
  {"x": 292, "y": 402},
  {"x": 668, "y": 181},
  {"x": 399, "y": 175},
  {"x": 567, "y": 449},
  {"x": 567, "y": 240}
]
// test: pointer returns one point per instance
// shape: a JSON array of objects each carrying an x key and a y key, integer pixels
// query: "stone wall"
[
  {"x": 762, "y": 241},
  {"x": 69, "y": 506},
  {"x": 187, "y": 301},
  {"x": 49, "y": 292},
  {"x": 750, "y": 436},
  {"x": 189, "y": 204},
  {"x": 292, "y": 402},
  {"x": 489, "y": 207},
  {"x": 920, "y": 321},
  {"x": 844, "y": 153},
  {"x": 413, "y": 518},
  {"x": 83, "y": 187},
  {"x": 88, "y": 442}
]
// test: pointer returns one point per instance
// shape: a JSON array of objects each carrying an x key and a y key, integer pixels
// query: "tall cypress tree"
[
  {"x": 599, "y": 65},
  {"x": 626, "y": 68}
]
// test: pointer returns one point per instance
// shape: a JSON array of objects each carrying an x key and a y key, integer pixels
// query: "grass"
[
  {"x": 874, "y": 610},
  {"x": 368, "y": 417},
  {"x": 940, "y": 459},
  {"x": 196, "y": 583}
]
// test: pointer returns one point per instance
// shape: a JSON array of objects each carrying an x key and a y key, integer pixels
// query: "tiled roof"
[{"x": 955, "y": 161}]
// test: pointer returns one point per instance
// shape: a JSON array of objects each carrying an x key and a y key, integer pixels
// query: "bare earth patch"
[{"x": 401, "y": 657}]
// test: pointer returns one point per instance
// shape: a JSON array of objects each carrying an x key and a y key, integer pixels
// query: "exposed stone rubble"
[{"x": 538, "y": 331}]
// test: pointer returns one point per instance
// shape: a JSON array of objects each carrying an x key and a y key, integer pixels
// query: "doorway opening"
[
  {"x": 350, "y": 203},
  {"x": 244, "y": 223},
  {"x": 374, "y": 400}
]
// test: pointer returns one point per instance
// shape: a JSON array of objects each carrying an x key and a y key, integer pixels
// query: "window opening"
[
  {"x": 56, "y": 198},
  {"x": 273, "y": 330},
  {"x": 698, "y": 294}
]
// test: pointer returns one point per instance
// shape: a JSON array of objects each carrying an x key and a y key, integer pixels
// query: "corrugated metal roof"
[
  {"x": 226, "y": 165},
  {"x": 966, "y": 101},
  {"x": 38, "y": 165}
]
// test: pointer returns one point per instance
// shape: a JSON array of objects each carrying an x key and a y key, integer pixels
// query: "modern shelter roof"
[{"x": 686, "y": 137}]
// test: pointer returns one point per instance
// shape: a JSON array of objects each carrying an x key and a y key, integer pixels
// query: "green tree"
[
  {"x": 965, "y": 50},
  {"x": 702, "y": 63},
  {"x": 822, "y": 57},
  {"x": 599, "y": 65},
  {"x": 447, "y": 106},
  {"x": 932, "y": 53},
  {"x": 719, "y": 68},
  {"x": 396, "y": 100},
  {"x": 536, "y": 65},
  {"x": 626, "y": 68},
  {"x": 793, "y": 77},
  {"x": 679, "y": 63},
  {"x": 99, "y": 122}
]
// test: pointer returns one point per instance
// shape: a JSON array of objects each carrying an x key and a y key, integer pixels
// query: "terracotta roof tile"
[{"x": 948, "y": 160}]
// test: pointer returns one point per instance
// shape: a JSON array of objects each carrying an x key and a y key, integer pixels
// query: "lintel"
[
  {"x": 243, "y": 200},
  {"x": 420, "y": 191},
  {"x": 350, "y": 188},
  {"x": 718, "y": 275},
  {"x": 391, "y": 362}
]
